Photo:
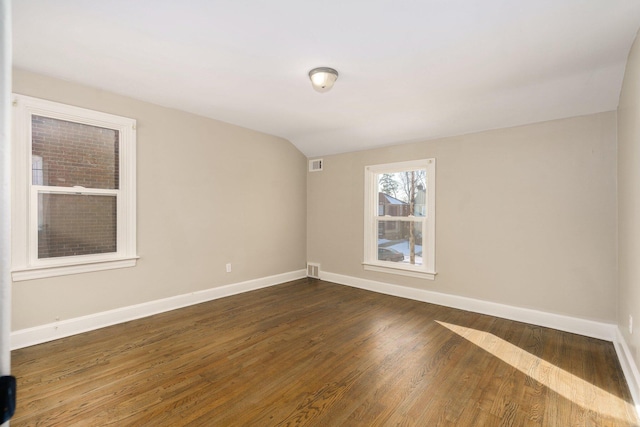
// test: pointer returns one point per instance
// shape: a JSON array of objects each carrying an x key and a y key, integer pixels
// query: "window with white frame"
[
  {"x": 74, "y": 205},
  {"x": 399, "y": 222}
]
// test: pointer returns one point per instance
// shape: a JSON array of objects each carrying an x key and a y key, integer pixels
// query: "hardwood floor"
[{"x": 314, "y": 353}]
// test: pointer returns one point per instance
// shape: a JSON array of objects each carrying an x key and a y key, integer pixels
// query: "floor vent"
[
  {"x": 313, "y": 270},
  {"x": 315, "y": 165}
]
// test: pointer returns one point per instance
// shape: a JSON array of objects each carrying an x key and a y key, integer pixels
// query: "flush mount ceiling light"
[{"x": 323, "y": 78}]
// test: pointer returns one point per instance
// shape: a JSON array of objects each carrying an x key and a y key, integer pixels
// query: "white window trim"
[
  {"x": 25, "y": 264},
  {"x": 427, "y": 269}
]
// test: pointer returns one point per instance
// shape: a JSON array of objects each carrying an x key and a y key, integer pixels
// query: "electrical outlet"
[
  {"x": 228, "y": 267},
  {"x": 630, "y": 324}
]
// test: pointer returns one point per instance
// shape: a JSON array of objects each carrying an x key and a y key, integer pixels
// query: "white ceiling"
[{"x": 409, "y": 69}]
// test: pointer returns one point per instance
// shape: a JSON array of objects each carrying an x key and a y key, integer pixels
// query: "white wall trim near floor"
[
  {"x": 589, "y": 328},
  {"x": 605, "y": 331},
  {"x": 64, "y": 328},
  {"x": 629, "y": 368}
]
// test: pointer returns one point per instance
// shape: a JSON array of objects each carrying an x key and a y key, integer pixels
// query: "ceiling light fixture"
[{"x": 323, "y": 78}]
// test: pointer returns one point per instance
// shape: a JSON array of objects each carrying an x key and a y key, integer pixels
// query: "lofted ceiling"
[{"x": 409, "y": 69}]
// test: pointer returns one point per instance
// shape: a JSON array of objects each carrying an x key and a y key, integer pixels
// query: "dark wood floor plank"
[{"x": 311, "y": 353}]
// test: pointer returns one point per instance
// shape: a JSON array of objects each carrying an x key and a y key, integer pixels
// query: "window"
[
  {"x": 74, "y": 190},
  {"x": 399, "y": 234}
]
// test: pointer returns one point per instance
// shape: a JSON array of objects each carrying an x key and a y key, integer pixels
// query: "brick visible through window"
[
  {"x": 67, "y": 154},
  {"x": 74, "y": 154},
  {"x": 76, "y": 225}
]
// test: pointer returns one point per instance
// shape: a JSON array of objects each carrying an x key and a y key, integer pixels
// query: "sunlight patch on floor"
[{"x": 560, "y": 381}]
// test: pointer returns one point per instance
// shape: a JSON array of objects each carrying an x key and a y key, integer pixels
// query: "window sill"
[
  {"x": 31, "y": 273},
  {"x": 400, "y": 271}
]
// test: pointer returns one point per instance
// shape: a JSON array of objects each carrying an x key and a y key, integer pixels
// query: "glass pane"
[
  {"x": 70, "y": 224},
  {"x": 66, "y": 154},
  {"x": 400, "y": 241},
  {"x": 402, "y": 193}
]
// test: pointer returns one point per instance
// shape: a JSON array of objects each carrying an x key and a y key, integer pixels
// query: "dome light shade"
[{"x": 323, "y": 78}]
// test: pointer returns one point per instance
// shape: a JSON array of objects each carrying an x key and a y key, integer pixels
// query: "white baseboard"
[
  {"x": 52, "y": 331},
  {"x": 605, "y": 331},
  {"x": 589, "y": 328},
  {"x": 629, "y": 368}
]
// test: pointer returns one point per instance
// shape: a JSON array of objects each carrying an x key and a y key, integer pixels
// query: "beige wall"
[
  {"x": 526, "y": 216},
  {"x": 629, "y": 202},
  {"x": 208, "y": 193}
]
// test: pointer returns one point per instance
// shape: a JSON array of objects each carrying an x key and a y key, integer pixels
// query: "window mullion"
[
  {"x": 401, "y": 218},
  {"x": 75, "y": 190}
]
